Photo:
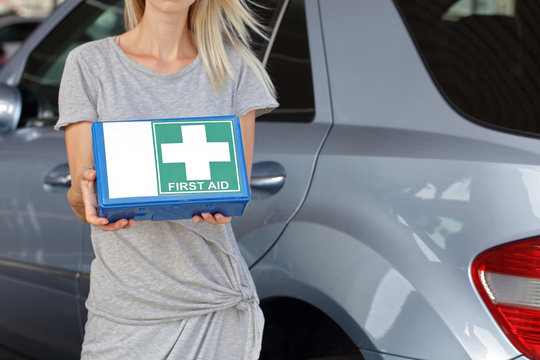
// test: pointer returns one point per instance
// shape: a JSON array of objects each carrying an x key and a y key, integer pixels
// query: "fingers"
[
  {"x": 88, "y": 189},
  {"x": 93, "y": 219},
  {"x": 89, "y": 198},
  {"x": 222, "y": 219},
  {"x": 118, "y": 225},
  {"x": 212, "y": 219}
]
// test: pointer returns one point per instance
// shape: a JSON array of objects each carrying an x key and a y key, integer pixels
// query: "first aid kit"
[{"x": 165, "y": 169}]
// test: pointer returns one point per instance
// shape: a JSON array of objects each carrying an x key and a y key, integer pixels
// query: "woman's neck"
[{"x": 161, "y": 42}]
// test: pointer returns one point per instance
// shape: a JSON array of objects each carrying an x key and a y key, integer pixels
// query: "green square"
[{"x": 196, "y": 157}]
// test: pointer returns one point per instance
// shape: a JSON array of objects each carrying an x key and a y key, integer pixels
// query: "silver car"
[{"x": 396, "y": 191}]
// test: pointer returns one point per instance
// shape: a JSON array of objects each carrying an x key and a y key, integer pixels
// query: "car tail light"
[{"x": 508, "y": 279}]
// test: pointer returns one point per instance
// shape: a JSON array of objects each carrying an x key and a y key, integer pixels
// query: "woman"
[{"x": 170, "y": 289}]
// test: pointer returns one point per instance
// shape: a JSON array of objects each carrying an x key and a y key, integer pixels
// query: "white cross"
[{"x": 195, "y": 152}]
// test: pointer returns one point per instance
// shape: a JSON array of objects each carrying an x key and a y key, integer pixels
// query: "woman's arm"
[
  {"x": 82, "y": 193},
  {"x": 80, "y": 156},
  {"x": 247, "y": 127}
]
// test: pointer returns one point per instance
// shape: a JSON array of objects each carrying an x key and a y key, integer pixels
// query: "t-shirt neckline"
[{"x": 126, "y": 59}]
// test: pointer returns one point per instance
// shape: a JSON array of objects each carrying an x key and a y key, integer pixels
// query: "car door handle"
[
  {"x": 59, "y": 176},
  {"x": 267, "y": 178},
  {"x": 267, "y": 182}
]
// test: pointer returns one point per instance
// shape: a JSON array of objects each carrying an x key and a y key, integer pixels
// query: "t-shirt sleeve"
[
  {"x": 251, "y": 94},
  {"x": 77, "y": 94}
]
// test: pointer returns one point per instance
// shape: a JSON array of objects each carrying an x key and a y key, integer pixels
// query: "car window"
[
  {"x": 40, "y": 81},
  {"x": 266, "y": 12},
  {"x": 17, "y": 32},
  {"x": 484, "y": 56},
  {"x": 289, "y": 66}
]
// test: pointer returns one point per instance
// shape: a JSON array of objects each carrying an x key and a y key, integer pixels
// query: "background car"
[
  {"x": 13, "y": 31},
  {"x": 396, "y": 201}
]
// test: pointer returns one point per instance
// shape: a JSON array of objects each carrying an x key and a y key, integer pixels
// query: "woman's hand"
[
  {"x": 247, "y": 126},
  {"x": 89, "y": 196},
  {"x": 212, "y": 219},
  {"x": 82, "y": 194}
]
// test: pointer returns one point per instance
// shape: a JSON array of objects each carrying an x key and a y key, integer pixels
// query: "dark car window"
[
  {"x": 484, "y": 55},
  {"x": 266, "y": 12},
  {"x": 40, "y": 81},
  {"x": 289, "y": 66},
  {"x": 17, "y": 32}
]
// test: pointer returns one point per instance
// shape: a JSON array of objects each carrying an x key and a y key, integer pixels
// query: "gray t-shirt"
[{"x": 161, "y": 271}]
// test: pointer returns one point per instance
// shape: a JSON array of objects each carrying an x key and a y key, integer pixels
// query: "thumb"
[{"x": 89, "y": 174}]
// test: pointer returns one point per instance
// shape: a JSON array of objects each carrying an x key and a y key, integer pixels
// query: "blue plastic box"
[{"x": 170, "y": 169}]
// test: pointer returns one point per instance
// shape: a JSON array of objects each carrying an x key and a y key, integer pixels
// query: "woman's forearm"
[
  {"x": 80, "y": 156},
  {"x": 74, "y": 196}
]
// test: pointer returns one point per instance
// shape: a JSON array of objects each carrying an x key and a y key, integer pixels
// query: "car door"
[
  {"x": 41, "y": 239},
  {"x": 288, "y": 140},
  {"x": 40, "y": 243}
]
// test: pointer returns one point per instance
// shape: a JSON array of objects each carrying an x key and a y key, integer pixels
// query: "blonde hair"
[{"x": 213, "y": 24}]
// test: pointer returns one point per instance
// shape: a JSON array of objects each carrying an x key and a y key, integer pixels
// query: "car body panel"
[
  {"x": 42, "y": 320},
  {"x": 41, "y": 243},
  {"x": 35, "y": 215},
  {"x": 422, "y": 279}
]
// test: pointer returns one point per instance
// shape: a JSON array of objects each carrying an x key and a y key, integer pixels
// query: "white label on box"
[{"x": 131, "y": 168}]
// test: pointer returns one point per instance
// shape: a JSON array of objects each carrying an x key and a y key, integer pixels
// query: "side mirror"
[{"x": 10, "y": 107}]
